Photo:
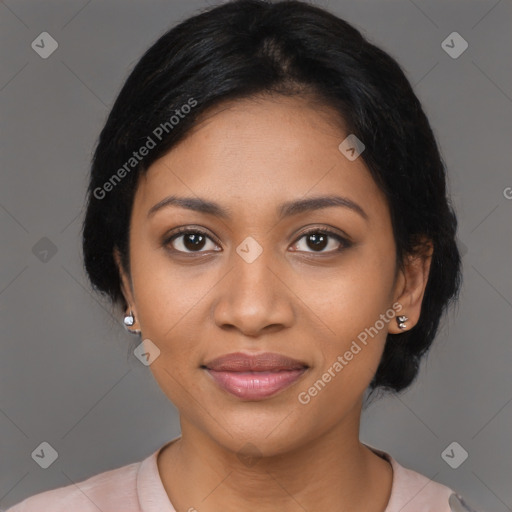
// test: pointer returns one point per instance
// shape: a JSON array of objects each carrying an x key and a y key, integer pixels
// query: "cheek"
[
  {"x": 352, "y": 309},
  {"x": 165, "y": 292},
  {"x": 352, "y": 296},
  {"x": 167, "y": 298}
]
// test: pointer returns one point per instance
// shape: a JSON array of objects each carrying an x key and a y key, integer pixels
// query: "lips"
[
  {"x": 255, "y": 377},
  {"x": 265, "y": 362}
]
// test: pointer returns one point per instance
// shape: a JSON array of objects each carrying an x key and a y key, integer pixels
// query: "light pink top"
[{"x": 137, "y": 487}]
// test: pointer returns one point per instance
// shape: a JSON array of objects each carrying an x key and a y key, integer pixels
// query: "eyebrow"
[{"x": 286, "y": 209}]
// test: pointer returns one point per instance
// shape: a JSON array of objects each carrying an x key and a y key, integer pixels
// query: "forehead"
[{"x": 258, "y": 152}]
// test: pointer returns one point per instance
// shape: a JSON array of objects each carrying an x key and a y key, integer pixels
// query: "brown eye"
[
  {"x": 189, "y": 241},
  {"x": 318, "y": 240}
]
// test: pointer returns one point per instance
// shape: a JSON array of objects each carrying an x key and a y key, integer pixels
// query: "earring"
[
  {"x": 128, "y": 321},
  {"x": 400, "y": 321}
]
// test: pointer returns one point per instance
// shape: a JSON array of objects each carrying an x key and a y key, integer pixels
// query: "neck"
[{"x": 328, "y": 472}]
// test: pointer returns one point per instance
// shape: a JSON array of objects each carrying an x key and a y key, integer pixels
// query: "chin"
[{"x": 253, "y": 436}]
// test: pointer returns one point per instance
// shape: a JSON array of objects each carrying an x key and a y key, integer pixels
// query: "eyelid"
[{"x": 334, "y": 232}]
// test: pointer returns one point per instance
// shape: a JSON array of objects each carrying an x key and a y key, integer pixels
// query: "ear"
[
  {"x": 411, "y": 283},
  {"x": 126, "y": 287}
]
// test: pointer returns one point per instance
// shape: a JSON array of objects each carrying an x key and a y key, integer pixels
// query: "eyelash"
[{"x": 345, "y": 244}]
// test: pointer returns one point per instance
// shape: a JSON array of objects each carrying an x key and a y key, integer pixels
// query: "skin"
[{"x": 310, "y": 304}]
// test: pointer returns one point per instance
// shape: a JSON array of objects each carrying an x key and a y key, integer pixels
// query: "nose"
[{"x": 254, "y": 297}]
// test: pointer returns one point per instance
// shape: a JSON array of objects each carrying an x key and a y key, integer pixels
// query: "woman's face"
[{"x": 255, "y": 282}]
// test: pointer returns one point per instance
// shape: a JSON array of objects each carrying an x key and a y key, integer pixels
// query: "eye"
[
  {"x": 318, "y": 239},
  {"x": 189, "y": 240}
]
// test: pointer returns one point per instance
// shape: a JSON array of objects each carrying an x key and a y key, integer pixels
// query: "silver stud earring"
[
  {"x": 401, "y": 321},
  {"x": 128, "y": 321}
]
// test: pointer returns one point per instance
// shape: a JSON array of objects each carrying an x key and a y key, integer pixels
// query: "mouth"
[{"x": 254, "y": 377}]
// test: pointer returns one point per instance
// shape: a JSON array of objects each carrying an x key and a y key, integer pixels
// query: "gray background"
[{"x": 67, "y": 374}]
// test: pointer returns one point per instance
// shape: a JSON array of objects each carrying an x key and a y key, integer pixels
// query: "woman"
[{"x": 267, "y": 205}]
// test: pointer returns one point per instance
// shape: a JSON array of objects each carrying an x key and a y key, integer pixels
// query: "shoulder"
[
  {"x": 413, "y": 492},
  {"x": 108, "y": 491}
]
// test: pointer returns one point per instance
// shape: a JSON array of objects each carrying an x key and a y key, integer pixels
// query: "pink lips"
[{"x": 254, "y": 377}]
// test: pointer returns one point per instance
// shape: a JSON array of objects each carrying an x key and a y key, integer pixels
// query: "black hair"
[{"x": 245, "y": 48}]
